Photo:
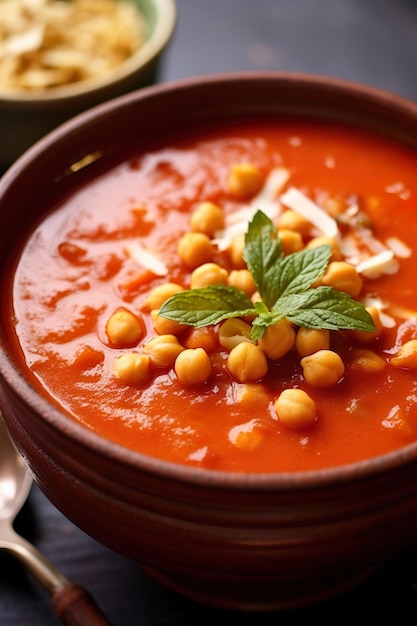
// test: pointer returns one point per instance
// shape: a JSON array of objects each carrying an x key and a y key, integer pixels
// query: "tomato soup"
[{"x": 85, "y": 294}]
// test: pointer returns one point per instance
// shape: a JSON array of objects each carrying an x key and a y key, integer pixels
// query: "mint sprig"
[
  {"x": 207, "y": 305},
  {"x": 285, "y": 285}
]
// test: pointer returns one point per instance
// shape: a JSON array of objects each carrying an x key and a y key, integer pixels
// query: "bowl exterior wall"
[
  {"x": 235, "y": 541},
  {"x": 243, "y": 548}
]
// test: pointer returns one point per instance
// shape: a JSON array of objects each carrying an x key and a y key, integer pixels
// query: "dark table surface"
[{"x": 368, "y": 41}]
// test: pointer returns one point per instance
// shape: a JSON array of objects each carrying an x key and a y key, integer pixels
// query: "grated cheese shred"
[
  {"x": 266, "y": 200},
  {"x": 147, "y": 259},
  {"x": 297, "y": 201},
  {"x": 380, "y": 263}
]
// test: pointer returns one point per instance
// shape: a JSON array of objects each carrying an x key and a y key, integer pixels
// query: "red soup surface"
[{"x": 84, "y": 296}]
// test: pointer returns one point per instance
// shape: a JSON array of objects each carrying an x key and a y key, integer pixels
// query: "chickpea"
[
  {"x": 207, "y": 218},
  {"x": 163, "y": 350},
  {"x": 161, "y": 294},
  {"x": 164, "y": 326},
  {"x": 246, "y": 362},
  {"x": 204, "y": 337},
  {"x": 243, "y": 280},
  {"x": 236, "y": 252},
  {"x": 278, "y": 339},
  {"x": 361, "y": 335},
  {"x": 309, "y": 340},
  {"x": 250, "y": 395},
  {"x": 124, "y": 329},
  {"x": 291, "y": 240},
  {"x": 194, "y": 249},
  {"x": 245, "y": 180},
  {"x": 295, "y": 408},
  {"x": 291, "y": 220},
  {"x": 367, "y": 361},
  {"x": 232, "y": 332},
  {"x": 133, "y": 368},
  {"x": 193, "y": 366},
  {"x": 326, "y": 241},
  {"x": 406, "y": 356},
  {"x": 247, "y": 436},
  {"x": 343, "y": 277},
  {"x": 208, "y": 274},
  {"x": 323, "y": 368}
]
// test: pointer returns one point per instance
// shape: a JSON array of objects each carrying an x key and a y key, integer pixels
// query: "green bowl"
[{"x": 26, "y": 117}]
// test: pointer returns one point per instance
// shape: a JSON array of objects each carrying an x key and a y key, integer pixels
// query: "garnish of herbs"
[{"x": 285, "y": 285}]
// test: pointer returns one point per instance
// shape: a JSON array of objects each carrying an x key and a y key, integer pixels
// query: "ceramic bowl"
[
  {"x": 233, "y": 540},
  {"x": 26, "y": 117}
]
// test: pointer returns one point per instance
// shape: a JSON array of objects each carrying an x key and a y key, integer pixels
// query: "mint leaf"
[
  {"x": 260, "y": 324},
  {"x": 261, "y": 307},
  {"x": 298, "y": 271},
  {"x": 274, "y": 274},
  {"x": 263, "y": 251},
  {"x": 323, "y": 307},
  {"x": 284, "y": 284},
  {"x": 207, "y": 305}
]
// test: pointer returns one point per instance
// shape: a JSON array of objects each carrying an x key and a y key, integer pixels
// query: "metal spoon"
[{"x": 72, "y": 604}]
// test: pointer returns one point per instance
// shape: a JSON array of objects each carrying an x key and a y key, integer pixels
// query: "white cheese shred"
[
  {"x": 378, "y": 264},
  {"x": 300, "y": 203},
  {"x": 386, "y": 320},
  {"x": 146, "y": 258},
  {"x": 266, "y": 201},
  {"x": 274, "y": 184},
  {"x": 399, "y": 248}
]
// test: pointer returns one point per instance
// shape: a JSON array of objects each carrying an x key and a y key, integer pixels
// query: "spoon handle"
[
  {"x": 75, "y": 606},
  {"x": 72, "y": 604}
]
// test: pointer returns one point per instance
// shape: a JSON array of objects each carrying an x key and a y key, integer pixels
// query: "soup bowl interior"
[{"x": 229, "y": 539}]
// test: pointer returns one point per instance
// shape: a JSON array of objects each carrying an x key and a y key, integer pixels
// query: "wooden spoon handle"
[{"x": 75, "y": 606}]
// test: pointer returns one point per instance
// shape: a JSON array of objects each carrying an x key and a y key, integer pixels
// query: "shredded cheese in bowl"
[{"x": 50, "y": 43}]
